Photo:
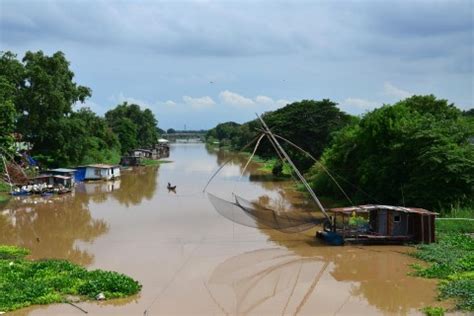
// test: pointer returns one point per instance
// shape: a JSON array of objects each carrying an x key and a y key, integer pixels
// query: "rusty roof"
[
  {"x": 376, "y": 207},
  {"x": 102, "y": 166}
]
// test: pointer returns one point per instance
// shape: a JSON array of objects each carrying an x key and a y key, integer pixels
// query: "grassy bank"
[
  {"x": 26, "y": 282},
  {"x": 4, "y": 189},
  {"x": 154, "y": 162},
  {"x": 451, "y": 259}
]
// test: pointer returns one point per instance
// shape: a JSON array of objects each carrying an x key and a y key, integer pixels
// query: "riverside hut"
[
  {"x": 64, "y": 172},
  {"x": 99, "y": 172},
  {"x": 380, "y": 224}
]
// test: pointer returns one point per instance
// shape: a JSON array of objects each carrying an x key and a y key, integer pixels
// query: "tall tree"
[
  {"x": 45, "y": 95},
  {"x": 416, "y": 152},
  {"x": 7, "y": 115},
  {"x": 134, "y": 127}
]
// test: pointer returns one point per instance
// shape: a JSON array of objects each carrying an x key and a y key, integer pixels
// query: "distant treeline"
[
  {"x": 417, "y": 152},
  {"x": 37, "y": 99}
]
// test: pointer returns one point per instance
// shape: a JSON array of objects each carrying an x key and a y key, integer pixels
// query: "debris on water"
[
  {"x": 72, "y": 298},
  {"x": 100, "y": 297}
]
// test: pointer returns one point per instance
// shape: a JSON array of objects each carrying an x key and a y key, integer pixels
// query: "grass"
[
  {"x": 26, "y": 282},
  {"x": 4, "y": 187},
  {"x": 154, "y": 162},
  {"x": 451, "y": 259}
]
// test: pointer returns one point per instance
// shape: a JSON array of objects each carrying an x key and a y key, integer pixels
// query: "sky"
[{"x": 199, "y": 63}]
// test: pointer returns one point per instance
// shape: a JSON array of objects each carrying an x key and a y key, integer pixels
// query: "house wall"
[
  {"x": 116, "y": 172},
  {"x": 382, "y": 222},
  {"x": 399, "y": 228}
]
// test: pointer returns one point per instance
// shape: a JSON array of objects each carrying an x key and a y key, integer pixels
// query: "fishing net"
[{"x": 252, "y": 214}]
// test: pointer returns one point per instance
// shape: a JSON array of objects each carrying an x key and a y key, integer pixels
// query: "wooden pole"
[{"x": 311, "y": 192}]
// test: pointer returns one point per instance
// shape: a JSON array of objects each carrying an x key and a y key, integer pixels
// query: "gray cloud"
[{"x": 343, "y": 50}]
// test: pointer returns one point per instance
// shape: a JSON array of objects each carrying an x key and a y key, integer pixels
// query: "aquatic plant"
[
  {"x": 26, "y": 282},
  {"x": 451, "y": 260}
]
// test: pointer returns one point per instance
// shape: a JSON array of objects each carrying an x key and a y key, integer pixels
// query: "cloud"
[
  {"x": 261, "y": 101},
  {"x": 199, "y": 103},
  {"x": 168, "y": 103},
  {"x": 361, "y": 104},
  {"x": 393, "y": 91},
  {"x": 235, "y": 99}
]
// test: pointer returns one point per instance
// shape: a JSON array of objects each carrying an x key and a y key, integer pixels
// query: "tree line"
[
  {"x": 38, "y": 96},
  {"x": 416, "y": 152}
]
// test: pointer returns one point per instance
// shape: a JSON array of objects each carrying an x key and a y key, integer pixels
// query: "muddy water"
[{"x": 192, "y": 261}]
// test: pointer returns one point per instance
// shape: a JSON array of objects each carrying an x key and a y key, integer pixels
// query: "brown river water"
[{"x": 192, "y": 261}]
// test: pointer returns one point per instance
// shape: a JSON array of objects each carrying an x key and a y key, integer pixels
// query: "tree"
[
  {"x": 415, "y": 152},
  {"x": 7, "y": 115},
  {"x": 170, "y": 131},
  {"x": 44, "y": 96},
  {"x": 129, "y": 118}
]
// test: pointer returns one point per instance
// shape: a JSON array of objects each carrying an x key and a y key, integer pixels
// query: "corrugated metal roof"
[
  {"x": 102, "y": 166},
  {"x": 371, "y": 207},
  {"x": 62, "y": 170}
]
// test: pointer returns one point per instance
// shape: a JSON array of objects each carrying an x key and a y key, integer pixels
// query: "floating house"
[
  {"x": 162, "y": 148},
  {"x": 130, "y": 161},
  {"x": 143, "y": 153},
  {"x": 98, "y": 172},
  {"x": 64, "y": 172},
  {"x": 380, "y": 224}
]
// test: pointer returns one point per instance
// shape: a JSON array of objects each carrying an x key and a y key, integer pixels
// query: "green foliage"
[
  {"x": 12, "y": 252},
  {"x": 37, "y": 96},
  {"x": 112, "y": 284},
  {"x": 416, "y": 152},
  {"x": 24, "y": 282},
  {"x": 45, "y": 99},
  {"x": 433, "y": 311},
  {"x": 134, "y": 127},
  {"x": 7, "y": 115},
  {"x": 358, "y": 221},
  {"x": 308, "y": 123},
  {"x": 452, "y": 260},
  {"x": 4, "y": 187}
]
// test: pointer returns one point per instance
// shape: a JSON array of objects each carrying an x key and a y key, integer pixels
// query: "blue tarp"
[
  {"x": 31, "y": 161},
  {"x": 80, "y": 174}
]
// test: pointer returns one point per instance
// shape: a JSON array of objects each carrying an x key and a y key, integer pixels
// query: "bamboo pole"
[{"x": 302, "y": 179}]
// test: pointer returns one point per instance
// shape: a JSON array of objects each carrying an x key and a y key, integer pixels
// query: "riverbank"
[
  {"x": 4, "y": 189},
  {"x": 154, "y": 162},
  {"x": 26, "y": 282},
  {"x": 451, "y": 260}
]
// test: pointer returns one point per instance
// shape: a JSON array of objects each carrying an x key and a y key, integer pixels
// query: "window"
[
  {"x": 396, "y": 218},
  {"x": 97, "y": 172}
]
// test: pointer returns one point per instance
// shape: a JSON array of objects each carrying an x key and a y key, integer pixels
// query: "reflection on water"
[
  {"x": 50, "y": 230},
  {"x": 137, "y": 185},
  {"x": 51, "y": 226},
  {"x": 287, "y": 283}
]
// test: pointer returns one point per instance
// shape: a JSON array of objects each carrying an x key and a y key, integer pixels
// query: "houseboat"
[
  {"x": 64, "y": 172},
  {"x": 379, "y": 224},
  {"x": 129, "y": 161},
  {"x": 98, "y": 172}
]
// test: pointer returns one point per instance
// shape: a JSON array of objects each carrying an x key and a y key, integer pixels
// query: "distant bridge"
[{"x": 185, "y": 137}]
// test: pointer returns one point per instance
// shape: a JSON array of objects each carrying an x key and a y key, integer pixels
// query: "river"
[{"x": 192, "y": 261}]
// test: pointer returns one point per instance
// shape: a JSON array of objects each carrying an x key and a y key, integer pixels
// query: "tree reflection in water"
[
  {"x": 137, "y": 185},
  {"x": 51, "y": 227},
  {"x": 288, "y": 278}
]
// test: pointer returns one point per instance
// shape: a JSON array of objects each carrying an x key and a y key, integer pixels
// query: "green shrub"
[{"x": 433, "y": 311}]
